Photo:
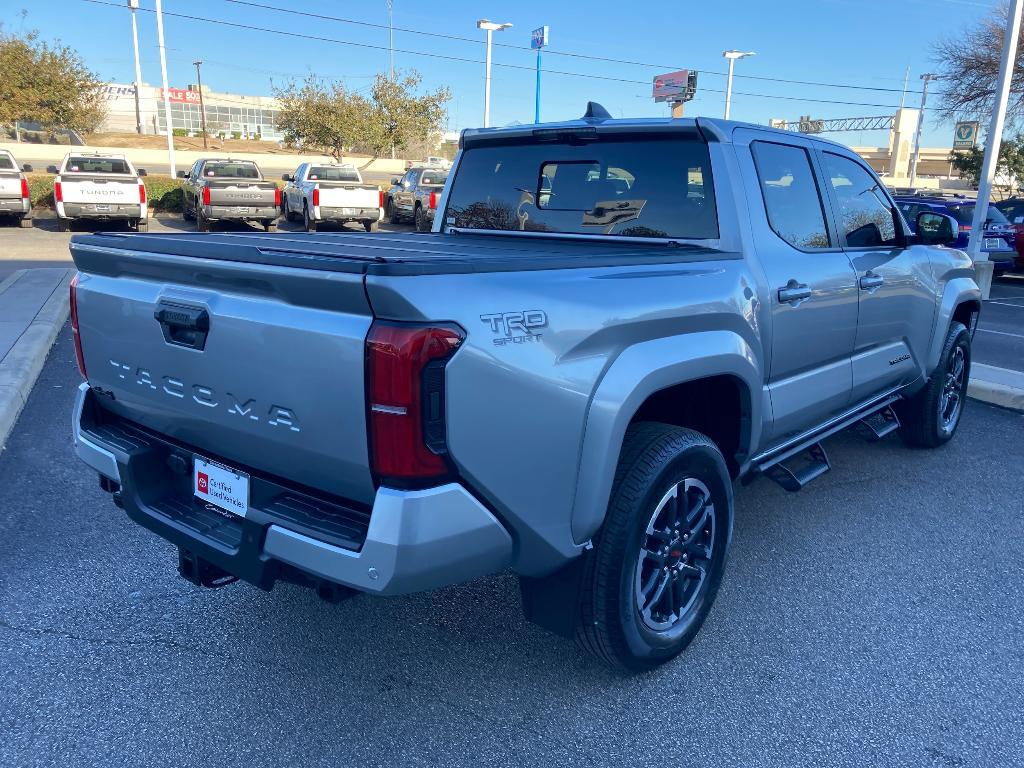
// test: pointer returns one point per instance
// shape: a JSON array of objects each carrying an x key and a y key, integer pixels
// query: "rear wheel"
[
  {"x": 371, "y": 226},
  {"x": 930, "y": 417},
  {"x": 63, "y": 225},
  {"x": 307, "y": 220},
  {"x": 658, "y": 560},
  {"x": 25, "y": 222},
  {"x": 389, "y": 212},
  {"x": 187, "y": 213},
  {"x": 202, "y": 223},
  {"x": 142, "y": 225},
  {"x": 418, "y": 219}
]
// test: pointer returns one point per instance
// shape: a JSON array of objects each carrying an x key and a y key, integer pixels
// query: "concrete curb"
[
  {"x": 997, "y": 386},
  {"x": 21, "y": 366}
]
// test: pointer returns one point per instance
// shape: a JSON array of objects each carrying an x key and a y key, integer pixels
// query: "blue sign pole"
[{"x": 536, "y": 114}]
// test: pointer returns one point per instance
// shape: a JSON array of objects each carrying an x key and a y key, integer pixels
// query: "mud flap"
[{"x": 552, "y": 601}]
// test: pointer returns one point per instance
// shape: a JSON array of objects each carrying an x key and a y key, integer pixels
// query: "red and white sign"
[
  {"x": 671, "y": 86},
  {"x": 181, "y": 95}
]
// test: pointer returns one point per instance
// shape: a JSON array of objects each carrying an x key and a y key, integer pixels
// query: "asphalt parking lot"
[{"x": 873, "y": 619}]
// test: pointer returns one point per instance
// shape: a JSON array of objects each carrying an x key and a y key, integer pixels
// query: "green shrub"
[
  {"x": 236, "y": 135},
  {"x": 180, "y": 132},
  {"x": 40, "y": 189}
]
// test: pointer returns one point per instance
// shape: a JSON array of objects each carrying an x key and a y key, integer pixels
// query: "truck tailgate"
[
  {"x": 257, "y": 193},
  {"x": 99, "y": 189},
  {"x": 348, "y": 196},
  {"x": 10, "y": 184},
  {"x": 276, "y": 384}
]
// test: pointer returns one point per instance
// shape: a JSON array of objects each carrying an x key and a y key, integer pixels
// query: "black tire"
[
  {"x": 389, "y": 212},
  {"x": 270, "y": 225},
  {"x": 621, "y": 621},
  {"x": 307, "y": 221},
  {"x": 931, "y": 417},
  {"x": 142, "y": 225},
  {"x": 417, "y": 219},
  {"x": 187, "y": 214},
  {"x": 63, "y": 225},
  {"x": 202, "y": 223},
  {"x": 370, "y": 226},
  {"x": 25, "y": 222}
]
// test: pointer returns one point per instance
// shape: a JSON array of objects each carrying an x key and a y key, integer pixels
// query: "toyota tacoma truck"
[
  {"x": 15, "y": 200},
  {"x": 414, "y": 196},
  {"x": 101, "y": 187},
  {"x": 228, "y": 190},
  {"x": 612, "y": 323},
  {"x": 316, "y": 194}
]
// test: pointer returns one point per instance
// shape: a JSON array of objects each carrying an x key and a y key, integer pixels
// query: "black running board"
[{"x": 810, "y": 460}]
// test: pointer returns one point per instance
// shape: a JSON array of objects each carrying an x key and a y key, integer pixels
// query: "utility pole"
[
  {"x": 731, "y": 56},
  {"x": 995, "y": 137},
  {"x": 167, "y": 92},
  {"x": 133, "y": 6},
  {"x": 927, "y": 78},
  {"x": 391, "y": 39},
  {"x": 202, "y": 106},
  {"x": 490, "y": 27}
]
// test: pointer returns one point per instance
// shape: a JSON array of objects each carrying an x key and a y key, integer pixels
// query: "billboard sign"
[
  {"x": 539, "y": 37},
  {"x": 675, "y": 86},
  {"x": 181, "y": 95},
  {"x": 965, "y": 135}
]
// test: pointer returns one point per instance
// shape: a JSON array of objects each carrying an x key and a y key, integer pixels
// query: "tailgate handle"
[{"x": 183, "y": 325}]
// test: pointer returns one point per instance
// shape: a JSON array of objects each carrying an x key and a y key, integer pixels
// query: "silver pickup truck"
[
  {"x": 612, "y": 322},
  {"x": 228, "y": 190}
]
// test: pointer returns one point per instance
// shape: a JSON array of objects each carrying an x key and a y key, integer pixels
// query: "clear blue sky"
[{"x": 852, "y": 42}]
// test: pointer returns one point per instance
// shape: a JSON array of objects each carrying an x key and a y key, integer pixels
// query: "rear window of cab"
[
  {"x": 96, "y": 165},
  {"x": 616, "y": 185},
  {"x": 6, "y": 164}
]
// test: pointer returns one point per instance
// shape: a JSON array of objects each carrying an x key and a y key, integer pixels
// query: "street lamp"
[
  {"x": 732, "y": 56},
  {"x": 133, "y": 5},
  {"x": 491, "y": 27}
]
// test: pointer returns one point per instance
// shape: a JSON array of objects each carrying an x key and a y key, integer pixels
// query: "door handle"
[
  {"x": 794, "y": 293},
  {"x": 871, "y": 281}
]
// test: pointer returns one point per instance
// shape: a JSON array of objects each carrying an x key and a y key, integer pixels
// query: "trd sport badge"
[{"x": 516, "y": 327}]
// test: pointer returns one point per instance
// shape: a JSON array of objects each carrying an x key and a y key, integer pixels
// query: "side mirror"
[
  {"x": 395, "y": 181},
  {"x": 51, "y": 169},
  {"x": 182, "y": 175},
  {"x": 142, "y": 172},
  {"x": 287, "y": 177},
  {"x": 26, "y": 168},
  {"x": 936, "y": 228}
]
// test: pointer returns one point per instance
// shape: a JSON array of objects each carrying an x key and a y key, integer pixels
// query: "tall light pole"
[
  {"x": 133, "y": 6},
  {"x": 491, "y": 27},
  {"x": 927, "y": 77},
  {"x": 391, "y": 39},
  {"x": 167, "y": 92},
  {"x": 202, "y": 105},
  {"x": 732, "y": 56},
  {"x": 995, "y": 137},
  {"x": 538, "y": 39}
]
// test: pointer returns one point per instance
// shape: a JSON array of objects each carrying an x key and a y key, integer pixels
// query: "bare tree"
[{"x": 968, "y": 63}]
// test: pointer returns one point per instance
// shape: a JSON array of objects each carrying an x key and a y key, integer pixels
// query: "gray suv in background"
[
  {"x": 613, "y": 323},
  {"x": 414, "y": 197}
]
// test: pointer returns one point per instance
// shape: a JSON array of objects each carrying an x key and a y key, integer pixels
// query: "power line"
[
  {"x": 317, "y": 38},
  {"x": 556, "y": 52}
]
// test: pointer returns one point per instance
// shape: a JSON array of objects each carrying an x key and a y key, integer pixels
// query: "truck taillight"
[
  {"x": 58, "y": 193},
  {"x": 142, "y": 193},
  {"x": 316, "y": 196},
  {"x": 24, "y": 188},
  {"x": 405, "y": 366},
  {"x": 74, "y": 328},
  {"x": 277, "y": 197},
  {"x": 380, "y": 198},
  {"x": 206, "y": 195},
  {"x": 433, "y": 200}
]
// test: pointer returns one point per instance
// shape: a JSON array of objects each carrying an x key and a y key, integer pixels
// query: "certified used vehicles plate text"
[{"x": 221, "y": 486}]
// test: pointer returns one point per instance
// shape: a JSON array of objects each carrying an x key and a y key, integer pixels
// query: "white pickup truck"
[
  {"x": 99, "y": 187},
  {"x": 318, "y": 193},
  {"x": 14, "y": 196}
]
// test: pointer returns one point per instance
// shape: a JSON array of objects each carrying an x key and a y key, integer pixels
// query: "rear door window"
[
  {"x": 863, "y": 211},
  {"x": 792, "y": 199},
  {"x": 655, "y": 186},
  {"x": 96, "y": 165}
]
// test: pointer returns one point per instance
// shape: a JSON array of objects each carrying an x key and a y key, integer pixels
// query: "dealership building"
[{"x": 226, "y": 113}]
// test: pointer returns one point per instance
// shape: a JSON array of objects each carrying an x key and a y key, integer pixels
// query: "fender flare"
[
  {"x": 954, "y": 293},
  {"x": 640, "y": 371}
]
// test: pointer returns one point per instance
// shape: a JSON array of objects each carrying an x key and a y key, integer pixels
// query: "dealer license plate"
[
  {"x": 243, "y": 209},
  {"x": 348, "y": 211},
  {"x": 101, "y": 207},
  {"x": 995, "y": 244},
  {"x": 221, "y": 486}
]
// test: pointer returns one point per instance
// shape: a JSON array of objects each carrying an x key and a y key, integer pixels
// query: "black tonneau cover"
[{"x": 380, "y": 253}]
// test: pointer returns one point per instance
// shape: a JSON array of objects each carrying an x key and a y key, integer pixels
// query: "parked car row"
[{"x": 1000, "y": 238}]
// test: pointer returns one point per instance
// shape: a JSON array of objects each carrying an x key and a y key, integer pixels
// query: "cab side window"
[
  {"x": 791, "y": 195},
  {"x": 863, "y": 211}
]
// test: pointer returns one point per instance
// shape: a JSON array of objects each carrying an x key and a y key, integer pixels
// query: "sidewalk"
[{"x": 33, "y": 309}]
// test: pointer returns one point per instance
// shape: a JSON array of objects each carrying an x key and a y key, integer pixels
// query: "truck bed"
[{"x": 381, "y": 253}]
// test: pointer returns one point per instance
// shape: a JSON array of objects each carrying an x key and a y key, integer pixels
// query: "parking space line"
[
  {"x": 1005, "y": 304},
  {"x": 1002, "y": 333}
]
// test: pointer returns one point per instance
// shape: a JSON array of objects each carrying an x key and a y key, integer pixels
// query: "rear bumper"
[
  {"x": 17, "y": 206},
  {"x": 99, "y": 211},
  {"x": 412, "y": 540},
  {"x": 348, "y": 214},
  {"x": 241, "y": 212}
]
